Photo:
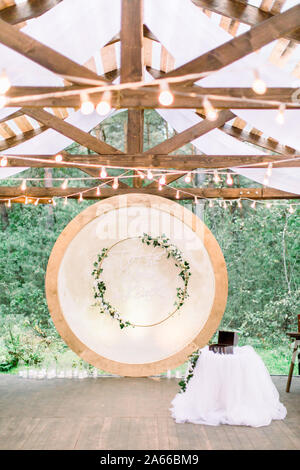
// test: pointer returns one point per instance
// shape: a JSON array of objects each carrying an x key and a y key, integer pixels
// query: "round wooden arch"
[{"x": 185, "y": 216}]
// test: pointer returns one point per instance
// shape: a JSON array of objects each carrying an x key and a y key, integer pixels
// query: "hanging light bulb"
[
  {"x": 86, "y": 107},
  {"x": 224, "y": 205},
  {"x": 159, "y": 187},
  {"x": 141, "y": 175},
  {"x": 211, "y": 203},
  {"x": 3, "y": 101},
  {"x": 104, "y": 105},
  {"x": 253, "y": 205},
  {"x": 195, "y": 200},
  {"x": 229, "y": 179},
  {"x": 149, "y": 175},
  {"x": 26, "y": 200},
  {"x": 268, "y": 205},
  {"x": 65, "y": 200},
  {"x": 115, "y": 183},
  {"x": 36, "y": 202},
  {"x": 177, "y": 194},
  {"x": 188, "y": 178},
  {"x": 162, "y": 180},
  {"x": 266, "y": 180},
  {"x": 4, "y": 83},
  {"x": 291, "y": 210},
  {"x": 3, "y": 161},
  {"x": 258, "y": 84},
  {"x": 165, "y": 96},
  {"x": 23, "y": 185},
  {"x": 58, "y": 158},
  {"x": 64, "y": 184},
  {"x": 9, "y": 203},
  {"x": 217, "y": 178},
  {"x": 280, "y": 115},
  {"x": 80, "y": 199},
  {"x": 269, "y": 169},
  {"x": 239, "y": 204},
  {"x": 53, "y": 202},
  {"x": 103, "y": 172},
  {"x": 210, "y": 112}
]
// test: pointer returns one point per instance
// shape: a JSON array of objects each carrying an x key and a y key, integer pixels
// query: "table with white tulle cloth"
[{"x": 229, "y": 389}]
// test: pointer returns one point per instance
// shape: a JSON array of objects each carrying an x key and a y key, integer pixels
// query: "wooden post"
[{"x": 132, "y": 64}]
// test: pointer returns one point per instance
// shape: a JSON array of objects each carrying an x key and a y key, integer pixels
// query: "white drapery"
[{"x": 79, "y": 33}]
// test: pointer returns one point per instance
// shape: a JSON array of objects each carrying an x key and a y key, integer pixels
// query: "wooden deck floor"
[{"x": 124, "y": 413}]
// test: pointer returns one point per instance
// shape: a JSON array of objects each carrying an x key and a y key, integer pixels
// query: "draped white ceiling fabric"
[{"x": 79, "y": 32}]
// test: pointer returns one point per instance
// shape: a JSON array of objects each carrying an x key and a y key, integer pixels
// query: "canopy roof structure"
[{"x": 58, "y": 52}]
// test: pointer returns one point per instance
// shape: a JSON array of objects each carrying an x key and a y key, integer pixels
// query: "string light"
[
  {"x": 195, "y": 200},
  {"x": 162, "y": 180},
  {"x": 87, "y": 107},
  {"x": 149, "y": 175},
  {"x": 4, "y": 83},
  {"x": 9, "y": 203},
  {"x": 188, "y": 178},
  {"x": 26, "y": 200},
  {"x": 177, "y": 194},
  {"x": 58, "y": 158},
  {"x": 239, "y": 203},
  {"x": 104, "y": 105},
  {"x": 115, "y": 183},
  {"x": 80, "y": 199},
  {"x": 211, "y": 203},
  {"x": 291, "y": 209},
  {"x": 65, "y": 200},
  {"x": 165, "y": 96},
  {"x": 258, "y": 85},
  {"x": 210, "y": 112},
  {"x": 3, "y": 161},
  {"x": 23, "y": 185},
  {"x": 141, "y": 175},
  {"x": 159, "y": 187},
  {"x": 64, "y": 184},
  {"x": 98, "y": 191},
  {"x": 280, "y": 115},
  {"x": 266, "y": 180},
  {"x": 53, "y": 202},
  {"x": 217, "y": 178},
  {"x": 268, "y": 205},
  {"x": 253, "y": 205},
  {"x": 36, "y": 202},
  {"x": 229, "y": 179},
  {"x": 103, "y": 172}
]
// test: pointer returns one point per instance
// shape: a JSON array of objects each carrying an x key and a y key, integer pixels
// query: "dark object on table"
[
  {"x": 226, "y": 341},
  {"x": 296, "y": 336}
]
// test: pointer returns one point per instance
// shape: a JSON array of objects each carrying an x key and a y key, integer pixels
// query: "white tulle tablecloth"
[{"x": 229, "y": 389}]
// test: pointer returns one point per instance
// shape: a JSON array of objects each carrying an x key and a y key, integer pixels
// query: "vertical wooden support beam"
[{"x": 132, "y": 65}]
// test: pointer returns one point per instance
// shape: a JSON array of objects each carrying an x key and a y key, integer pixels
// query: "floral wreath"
[{"x": 171, "y": 252}]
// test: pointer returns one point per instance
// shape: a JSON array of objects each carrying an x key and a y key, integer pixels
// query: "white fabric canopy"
[{"x": 79, "y": 33}]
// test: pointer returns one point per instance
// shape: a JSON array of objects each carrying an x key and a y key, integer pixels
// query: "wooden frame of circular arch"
[{"x": 174, "y": 209}]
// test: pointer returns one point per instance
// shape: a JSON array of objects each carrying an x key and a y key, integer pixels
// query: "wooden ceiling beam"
[
  {"x": 74, "y": 133},
  {"x": 44, "y": 55},
  {"x": 242, "y": 12},
  {"x": 242, "y": 45},
  {"x": 20, "y": 139},
  {"x": 7, "y": 192},
  {"x": 158, "y": 161},
  {"x": 132, "y": 65},
  {"x": 147, "y": 97},
  {"x": 27, "y": 10}
]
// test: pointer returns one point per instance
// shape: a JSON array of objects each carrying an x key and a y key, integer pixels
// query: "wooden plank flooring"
[{"x": 124, "y": 413}]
